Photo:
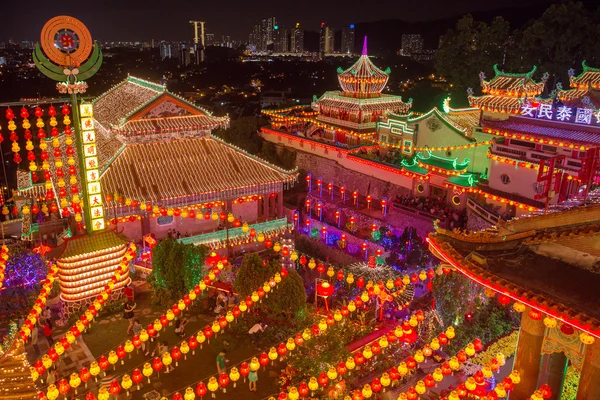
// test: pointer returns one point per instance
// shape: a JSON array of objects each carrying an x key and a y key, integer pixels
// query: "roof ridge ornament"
[{"x": 364, "y": 49}]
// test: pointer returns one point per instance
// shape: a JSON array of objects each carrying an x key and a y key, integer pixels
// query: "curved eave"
[{"x": 502, "y": 286}]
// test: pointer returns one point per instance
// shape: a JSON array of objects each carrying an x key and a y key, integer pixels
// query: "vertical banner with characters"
[{"x": 92, "y": 173}]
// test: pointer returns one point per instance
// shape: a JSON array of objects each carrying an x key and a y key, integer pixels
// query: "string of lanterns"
[
  {"x": 40, "y": 301},
  {"x": 120, "y": 351},
  {"x": 497, "y": 198},
  {"x": 525, "y": 164},
  {"x": 3, "y": 259},
  {"x": 80, "y": 326},
  {"x": 136, "y": 376},
  {"x": 262, "y": 360},
  {"x": 521, "y": 136}
]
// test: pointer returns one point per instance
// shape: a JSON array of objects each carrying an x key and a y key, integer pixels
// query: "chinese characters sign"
[
  {"x": 92, "y": 174},
  {"x": 561, "y": 113}
]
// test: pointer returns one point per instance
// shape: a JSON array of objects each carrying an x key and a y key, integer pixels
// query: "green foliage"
[
  {"x": 469, "y": 48},
  {"x": 290, "y": 296},
  {"x": 176, "y": 269},
  {"x": 570, "y": 384},
  {"x": 252, "y": 274},
  {"x": 456, "y": 296}
]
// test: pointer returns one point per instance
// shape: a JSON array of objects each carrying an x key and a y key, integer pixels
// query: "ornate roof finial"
[{"x": 364, "y": 50}]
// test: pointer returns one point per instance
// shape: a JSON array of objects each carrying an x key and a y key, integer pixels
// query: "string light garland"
[
  {"x": 40, "y": 301},
  {"x": 526, "y": 164},
  {"x": 3, "y": 258},
  {"x": 535, "y": 139}
]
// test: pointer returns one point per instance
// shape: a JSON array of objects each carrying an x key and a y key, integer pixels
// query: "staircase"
[{"x": 489, "y": 216}]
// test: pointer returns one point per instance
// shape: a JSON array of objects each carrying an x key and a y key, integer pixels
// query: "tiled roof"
[
  {"x": 558, "y": 131},
  {"x": 496, "y": 103},
  {"x": 123, "y": 99},
  {"x": 172, "y": 123},
  {"x": 467, "y": 119},
  {"x": 512, "y": 82},
  {"x": 165, "y": 170},
  {"x": 384, "y": 102},
  {"x": 85, "y": 244},
  {"x": 465, "y": 180},
  {"x": 441, "y": 162},
  {"x": 589, "y": 77}
]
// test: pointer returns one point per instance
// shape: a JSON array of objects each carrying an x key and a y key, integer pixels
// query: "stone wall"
[
  {"x": 331, "y": 171},
  {"x": 475, "y": 222}
]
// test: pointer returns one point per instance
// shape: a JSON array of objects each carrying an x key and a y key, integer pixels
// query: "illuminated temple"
[{"x": 546, "y": 265}]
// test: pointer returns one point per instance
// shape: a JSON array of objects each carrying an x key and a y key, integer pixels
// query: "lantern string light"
[
  {"x": 207, "y": 332},
  {"x": 181, "y": 304},
  {"x": 40, "y": 301}
]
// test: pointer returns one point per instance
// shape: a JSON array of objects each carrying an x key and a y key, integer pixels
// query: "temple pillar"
[
  {"x": 555, "y": 373},
  {"x": 266, "y": 200},
  {"x": 280, "y": 212},
  {"x": 527, "y": 359},
  {"x": 589, "y": 383}
]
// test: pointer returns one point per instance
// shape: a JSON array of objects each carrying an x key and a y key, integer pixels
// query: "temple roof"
[
  {"x": 589, "y": 78},
  {"x": 363, "y": 78},
  {"x": 167, "y": 170},
  {"x": 532, "y": 127},
  {"x": 385, "y": 102},
  {"x": 513, "y": 84},
  {"x": 540, "y": 261},
  {"x": 459, "y": 122},
  {"x": 85, "y": 244},
  {"x": 450, "y": 164}
]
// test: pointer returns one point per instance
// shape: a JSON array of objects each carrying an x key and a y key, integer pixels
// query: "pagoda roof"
[
  {"x": 363, "y": 78},
  {"x": 197, "y": 166},
  {"x": 385, "y": 102},
  {"x": 451, "y": 164},
  {"x": 517, "y": 84},
  {"x": 549, "y": 129},
  {"x": 506, "y": 104},
  {"x": 589, "y": 78},
  {"x": 86, "y": 244},
  {"x": 464, "y": 180},
  {"x": 536, "y": 260}
]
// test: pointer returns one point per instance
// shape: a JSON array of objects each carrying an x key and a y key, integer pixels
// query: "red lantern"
[
  {"x": 411, "y": 394},
  {"x": 411, "y": 363},
  {"x": 376, "y": 348},
  {"x": 103, "y": 363},
  {"x": 359, "y": 359},
  {"x": 414, "y": 278},
  {"x": 504, "y": 299},
  {"x": 321, "y": 268},
  {"x": 223, "y": 216},
  {"x": 208, "y": 332},
  {"x": 535, "y": 315},
  {"x": 63, "y": 387},
  {"x": 360, "y": 282},
  {"x": 508, "y": 383},
  {"x": 345, "y": 311},
  {"x": 268, "y": 243},
  {"x": 461, "y": 356},
  {"x": 315, "y": 329},
  {"x": 322, "y": 379},
  {"x": 115, "y": 387},
  {"x": 285, "y": 251},
  {"x": 201, "y": 389},
  {"x": 281, "y": 349},
  {"x": 177, "y": 396},
  {"x": 376, "y": 385},
  {"x": 341, "y": 368},
  {"x": 263, "y": 359},
  {"x": 446, "y": 370},
  {"x": 206, "y": 215},
  {"x": 84, "y": 375},
  {"x": 223, "y": 380},
  {"x": 137, "y": 376},
  {"x": 429, "y": 381},
  {"x": 175, "y": 354},
  {"x": 157, "y": 364},
  {"x": 244, "y": 369},
  {"x": 461, "y": 390},
  {"x": 121, "y": 352},
  {"x": 394, "y": 374},
  {"x": 443, "y": 339}
]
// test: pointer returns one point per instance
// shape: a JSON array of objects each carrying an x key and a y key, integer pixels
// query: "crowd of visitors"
[{"x": 452, "y": 217}]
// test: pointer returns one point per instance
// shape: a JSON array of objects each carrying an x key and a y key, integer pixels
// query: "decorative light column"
[
  {"x": 527, "y": 359},
  {"x": 589, "y": 382}
]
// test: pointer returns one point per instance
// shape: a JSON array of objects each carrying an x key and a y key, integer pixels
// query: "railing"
[
  {"x": 221, "y": 235},
  {"x": 416, "y": 212},
  {"x": 489, "y": 216},
  {"x": 349, "y": 124}
]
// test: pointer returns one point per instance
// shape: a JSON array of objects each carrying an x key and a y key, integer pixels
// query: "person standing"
[
  {"x": 34, "y": 338},
  {"x": 252, "y": 378},
  {"x": 221, "y": 362},
  {"x": 48, "y": 332},
  {"x": 254, "y": 332},
  {"x": 128, "y": 291},
  {"x": 128, "y": 315},
  {"x": 137, "y": 329}
]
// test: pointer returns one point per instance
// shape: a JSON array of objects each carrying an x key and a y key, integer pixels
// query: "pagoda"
[{"x": 545, "y": 265}]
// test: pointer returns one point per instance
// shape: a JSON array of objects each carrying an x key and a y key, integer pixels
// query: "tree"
[
  {"x": 253, "y": 273},
  {"x": 176, "y": 268},
  {"x": 290, "y": 296},
  {"x": 469, "y": 48},
  {"x": 563, "y": 37},
  {"x": 243, "y": 133}
]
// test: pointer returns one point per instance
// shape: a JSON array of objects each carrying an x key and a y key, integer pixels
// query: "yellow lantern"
[
  {"x": 323, "y": 325},
  {"x": 74, "y": 380},
  {"x": 419, "y": 357},
  {"x": 254, "y": 364},
  {"x": 515, "y": 377},
  {"x": 454, "y": 364},
  {"x": 312, "y": 263},
  {"x": 435, "y": 344},
  {"x": 144, "y": 335},
  {"x": 487, "y": 371},
  {"x": 255, "y": 297},
  {"x": 112, "y": 357},
  {"x": 34, "y": 374},
  {"x": 229, "y": 317},
  {"x": 293, "y": 393},
  {"x": 155, "y": 209},
  {"x": 332, "y": 373},
  {"x": 215, "y": 327},
  {"x": 306, "y": 335},
  {"x": 230, "y": 218},
  {"x": 337, "y": 316},
  {"x": 157, "y": 325},
  {"x": 272, "y": 354},
  {"x": 450, "y": 332},
  {"x": 350, "y": 364},
  {"x": 385, "y": 379},
  {"x": 330, "y": 272},
  {"x": 389, "y": 284},
  {"x": 184, "y": 348},
  {"x": 128, "y": 346},
  {"x": 170, "y": 315},
  {"x": 277, "y": 247},
  {"x": 189, "y": 394},
  {"x": 202, "y": 285},
  {"x": 470, "y": 349},
  {"x": 550, "y": 322},
  {"x": 52, "y": 392},
  {"x": 277, "y": 277},
  {"x": 453, "y": 396},
  {"x": 367, "y": 392},
  {"x": 313, "y": 384},
  {"x": 192, "y": 295},
  {"x": 501, "y": 359},
  {"x": 212, "y": 384},
  {"x": 500, "y": 390},
  {"x": 422, "y": 275},
  {"x": 200, "y": 337},
  {"x": 147, "y": 371},
  {"x": 519, "y": 307},
  {"x": 351, "y": 306},
  {"x": 245, "y": 227},
  {"x": 364, "y": 297},
  {"x": 405, "y": 279},
  {"x": 437, "y": 375},
  {"x": 413, "y": 321},
  {"x": 420, "y": 387},
  {"x": 243, "y": 307},
  {"x": 234, "y": 375},
  {"x": 266, "y": 287},
  {"x": 260, "y": 237},
  {"x": 290, "y": 344},
  {"x": 294, "y": 255},
  {"x": 586, "y": 338},
  {"x": 350, "y": 278},
  {"x": 367, "y": 352},
  {"x": 214, "y": 216},
  {"x": 470, "y": 384},
  {"x": 94, "y": 369},
  {"x": 126, "y": 382}
]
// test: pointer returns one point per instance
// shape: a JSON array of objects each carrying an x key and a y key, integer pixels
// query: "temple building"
[
  {"x": 545, "y": 264},
  {"x": 556, "y": 134}
]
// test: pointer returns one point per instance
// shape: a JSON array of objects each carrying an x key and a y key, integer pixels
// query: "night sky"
[{"x": 113, "y": 20}]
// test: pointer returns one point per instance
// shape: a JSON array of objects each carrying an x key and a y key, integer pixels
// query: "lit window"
[{"x": 505, "y": 179}]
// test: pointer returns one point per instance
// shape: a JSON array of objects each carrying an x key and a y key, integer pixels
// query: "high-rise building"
[
  {"x": 326, "y": 39},
  {"x": 412, "y": 44},
  {"x": 199, "y": 41},
  {"x": 297, "y": 39},
  {"x": 348, "y": 40},
  {"x": 165, "y": 50},
  {"x": 210, "y": 39},
  {"x": 280, "y": 40},
  {"x": 267, "y": 33}
]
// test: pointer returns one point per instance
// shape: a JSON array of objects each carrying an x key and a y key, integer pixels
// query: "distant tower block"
[{"x": 199, "y": 40}]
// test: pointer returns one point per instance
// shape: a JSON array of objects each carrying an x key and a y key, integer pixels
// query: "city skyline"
[{"x": 137, "y": 21}]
